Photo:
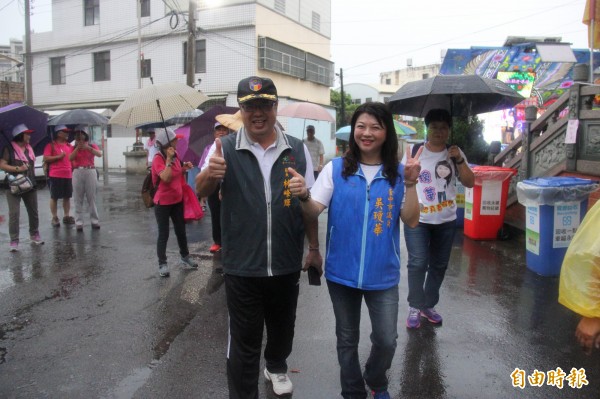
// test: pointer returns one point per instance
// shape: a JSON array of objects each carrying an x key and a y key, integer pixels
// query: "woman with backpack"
[
  {"x": 167, "y": 176},
  {"x": 18, "y": 159}
]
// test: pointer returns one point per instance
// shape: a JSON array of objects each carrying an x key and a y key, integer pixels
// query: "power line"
[
  {"x": 461, "y": 36},
  {"x": 7, "y": 4}
]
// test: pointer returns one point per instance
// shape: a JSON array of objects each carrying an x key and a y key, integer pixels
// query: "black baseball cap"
[{"x": 255, "y": 87}]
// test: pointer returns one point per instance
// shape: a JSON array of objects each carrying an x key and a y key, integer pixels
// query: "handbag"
[
  {"x": 20, "y": 184},
  {"x": 191, "y": 206}
]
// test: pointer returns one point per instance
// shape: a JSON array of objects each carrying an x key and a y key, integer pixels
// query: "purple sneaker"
[
  {"x": 36, "y": 239},
  {"x": 431, "y": 315},
  {"x": 414, "y": 319},
  {"x": 381, "y": 395},
  {"x": 14, "y": 246}
]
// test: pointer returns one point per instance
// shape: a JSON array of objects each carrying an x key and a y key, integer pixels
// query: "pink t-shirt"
[
  {"x": 62, "y": 167},
  {"x": 84, "y": 157},
  {"x": 172, "y": 192}
]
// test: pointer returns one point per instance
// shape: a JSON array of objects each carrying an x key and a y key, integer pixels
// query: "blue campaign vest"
[{"x": 363, "y": 230}]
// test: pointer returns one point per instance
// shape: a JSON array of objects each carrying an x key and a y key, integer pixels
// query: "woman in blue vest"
[{"x": 366, "y": 191}]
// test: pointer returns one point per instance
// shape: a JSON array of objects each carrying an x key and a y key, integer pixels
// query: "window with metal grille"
[
  {"x": 146, "y": 68},
  {"x": 279, "y": 57},
  {"x": 101, "y": 66},
  {"x": 282, "y": 58},
  {"x": 200, "y": 66},
  {"x": 145, "y": 5},
  {"x": 319, "y": 70},
  {"x": 57, "y": 70},
  {"x": 91, "y": 12},
  {"x": 316, "y": 21},
  {"x": 280, "y": 6}
]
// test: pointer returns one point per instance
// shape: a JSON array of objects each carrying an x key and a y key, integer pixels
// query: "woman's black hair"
[
  {"x": 19, "y": 138},
  {"x": 389, "y": 149}
]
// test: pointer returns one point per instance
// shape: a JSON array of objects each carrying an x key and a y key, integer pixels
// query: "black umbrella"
[
  {"x": 461, "y": 95},
  {"x": 78, "y": 117}
]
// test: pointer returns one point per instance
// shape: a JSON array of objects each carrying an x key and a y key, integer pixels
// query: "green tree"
[
  {"x": 335, "y": 99},
  {"x": 467, "y": 133}
]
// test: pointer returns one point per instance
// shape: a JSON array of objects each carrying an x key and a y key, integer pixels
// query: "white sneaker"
[{"x": 282, "y": 385}]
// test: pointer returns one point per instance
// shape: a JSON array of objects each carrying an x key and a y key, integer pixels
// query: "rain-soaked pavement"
[{"x": 86, "y": 316}]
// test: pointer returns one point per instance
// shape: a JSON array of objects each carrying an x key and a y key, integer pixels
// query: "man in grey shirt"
[{"x": 315, "y": 147}]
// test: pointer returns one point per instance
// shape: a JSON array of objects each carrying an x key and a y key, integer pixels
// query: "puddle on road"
[{"x": 130, "y": 384}]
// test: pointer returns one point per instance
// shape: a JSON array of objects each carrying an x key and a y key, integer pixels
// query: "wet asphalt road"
[{"x": 86, "y": 316}]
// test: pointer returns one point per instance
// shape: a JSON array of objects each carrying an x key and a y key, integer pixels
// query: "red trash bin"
[{"x": 485, "y": 202}]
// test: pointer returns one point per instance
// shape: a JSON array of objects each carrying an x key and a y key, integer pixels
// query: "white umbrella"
[{"x": 156, "y": 103}]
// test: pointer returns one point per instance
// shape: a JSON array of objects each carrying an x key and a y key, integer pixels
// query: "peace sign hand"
[{"x": 412, "y": 168}]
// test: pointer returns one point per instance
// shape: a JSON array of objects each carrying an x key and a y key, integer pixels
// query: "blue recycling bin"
[{"x": 554, "y": 208}]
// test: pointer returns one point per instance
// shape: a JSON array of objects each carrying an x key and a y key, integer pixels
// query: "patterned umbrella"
[
  {"x": 184, "y": 117},
  {"x": 404, "y": 129},
  {"x": 156, "y": 103}
]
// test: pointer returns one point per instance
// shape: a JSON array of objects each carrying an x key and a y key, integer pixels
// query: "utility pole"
[
  {"x": 343, "y": 99},
  {"x": 191, "y": 45},
  {"x": 28, "y": 85},
  {"x": 139, "y": 41}
]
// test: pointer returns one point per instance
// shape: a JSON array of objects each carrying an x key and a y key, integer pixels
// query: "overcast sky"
[{"x": 373, "y": 36}]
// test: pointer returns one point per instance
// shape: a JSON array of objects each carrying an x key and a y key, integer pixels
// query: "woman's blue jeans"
[
  {"x": 383, "y": 311},
  {"x": 429, "y": 247}
]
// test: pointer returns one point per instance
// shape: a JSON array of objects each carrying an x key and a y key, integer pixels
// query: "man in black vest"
[{"x": 262, "y": 237}]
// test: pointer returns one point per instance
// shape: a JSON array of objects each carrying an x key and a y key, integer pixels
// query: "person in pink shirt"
[
  {"x": 84, "y": 176},
  {"x": 56, "y": 155},
  {"x": 167, "y": 176},
  {"x": 18, "y": 158}
]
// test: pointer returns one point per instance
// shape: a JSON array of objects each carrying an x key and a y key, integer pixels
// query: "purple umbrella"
[
  {"x": 183, "y": 146},
  {"x": 201, "y": 132},
  {"x": 17, "y": 113}
]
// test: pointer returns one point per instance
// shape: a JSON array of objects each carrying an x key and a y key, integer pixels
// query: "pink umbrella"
[
  {"x": 183, "y": 146},
  {"x": 304, "y": 110}
]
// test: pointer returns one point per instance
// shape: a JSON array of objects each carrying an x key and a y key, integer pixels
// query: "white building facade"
[
  {"x": 362, "y": 93},
  {"x": 90, "y": 58},
  {"x": 409, "y": 74},
  {"x": 11, "y": 61}
]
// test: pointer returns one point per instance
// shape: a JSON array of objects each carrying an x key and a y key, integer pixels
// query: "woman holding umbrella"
[
  {"x": 167, "y": 176},
  {"x": 84, "y": 176},
  {"x": 19, "y": 158}
]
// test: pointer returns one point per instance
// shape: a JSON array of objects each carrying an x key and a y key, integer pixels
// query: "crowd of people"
[
  {"x": 266, "y": 190},
  {"x": 367, "y": 191},
  {"x": 70, "y": 169}
]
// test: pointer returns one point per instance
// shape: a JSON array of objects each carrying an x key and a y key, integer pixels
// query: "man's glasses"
[{"x": 253, "y": 106}]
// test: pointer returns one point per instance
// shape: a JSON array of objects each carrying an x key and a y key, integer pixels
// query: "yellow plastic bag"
[{"x": 579, "y": 288}]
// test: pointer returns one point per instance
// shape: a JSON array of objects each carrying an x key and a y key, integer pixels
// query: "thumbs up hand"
[
  {"x": 216, "y": 164},
  {"x": 297, "y": 184}
]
